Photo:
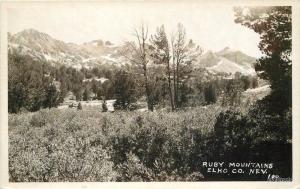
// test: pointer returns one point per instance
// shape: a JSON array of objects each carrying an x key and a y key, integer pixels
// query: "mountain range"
[{"x": 43, "y": 47}]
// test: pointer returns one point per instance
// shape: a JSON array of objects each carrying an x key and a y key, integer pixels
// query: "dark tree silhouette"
[
  {"x": 79, "y": 107},
  {"x": 274, "y": 24},
  {"x": 124, "y": 90}
]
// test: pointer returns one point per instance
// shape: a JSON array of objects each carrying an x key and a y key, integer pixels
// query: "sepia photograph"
[{"x": 149, "y": 92}]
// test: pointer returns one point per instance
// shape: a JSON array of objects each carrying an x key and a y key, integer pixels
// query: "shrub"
[
  {"x": 58, "y": 150},
  {"x": 260, "y": 135},
  {"x": 79, "y": 107},
  {"x": 39, "y": 119},
  {"x": 90, "y": 145},
  {"x": 232, "y": 135},
  {"x": 104, "y": 106}
]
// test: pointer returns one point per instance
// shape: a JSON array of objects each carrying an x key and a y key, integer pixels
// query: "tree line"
[{"x": 161, "y": 71}]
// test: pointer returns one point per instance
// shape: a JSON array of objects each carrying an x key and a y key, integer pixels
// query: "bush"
[
  {"x": 79, "y": 107},
  {"x": 232, "y": 136},
  {"x": 260, "y": 135},
  {"x": 104, "y": 106},
  {"x": 91, "y": 145},
  {"x": 57, "y": 151}
]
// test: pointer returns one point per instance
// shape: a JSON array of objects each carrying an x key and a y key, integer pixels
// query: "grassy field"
[{"x": 89, "y": 145}]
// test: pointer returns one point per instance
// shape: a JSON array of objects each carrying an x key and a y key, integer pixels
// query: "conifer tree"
[{"x": 274, "y": 25}]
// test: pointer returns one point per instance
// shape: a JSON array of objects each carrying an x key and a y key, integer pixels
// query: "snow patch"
[
  {"x": 88, "y": 59},
  {"x": 225, "y": 65},
  {"x": 109, "y": 58},
  {"x": 95, "y": 44},
  {"x": 101, "y": 79},
  {"x": 49, "y": 57},
  {"x": 264, "y": 88}
]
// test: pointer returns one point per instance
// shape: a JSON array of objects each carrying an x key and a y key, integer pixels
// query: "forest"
[{"x": 34, "y": 85}]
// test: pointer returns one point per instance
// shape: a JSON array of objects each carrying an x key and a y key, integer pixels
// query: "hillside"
[
  {"x": 228, "y": 61},
  {"x": 43, "y": 47}
]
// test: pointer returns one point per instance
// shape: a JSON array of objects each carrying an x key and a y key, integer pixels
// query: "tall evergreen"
[
  {"x": 274, "y": 25},
  {"x": 124, "y": 90}
]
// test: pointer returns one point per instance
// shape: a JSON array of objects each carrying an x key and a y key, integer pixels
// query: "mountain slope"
[
  {"x": 236, "y": 56},
  {"x": 45, "y": 48},
  {"x": 228, "y": 61},
  {"x": 227, "y": 66}
]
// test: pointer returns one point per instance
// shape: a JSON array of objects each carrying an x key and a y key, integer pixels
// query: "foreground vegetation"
[{"x": 90, "y": 145}]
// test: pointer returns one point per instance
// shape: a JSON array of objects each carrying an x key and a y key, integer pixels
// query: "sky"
[{"x": 210, "y": 26}]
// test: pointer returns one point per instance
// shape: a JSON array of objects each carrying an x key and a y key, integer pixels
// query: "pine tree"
[
  {"x": 210, "y": 94},
  {"x": 161, "y": 55},
  {"x": 183, "y": 54},
  {"x": 124, "y": 90},
  {"x": 86, "y": 95},
  {"x": 79, "y": 106},
  {"x": 52, "y": 96},
  {"x": 274, "y": 25}
]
